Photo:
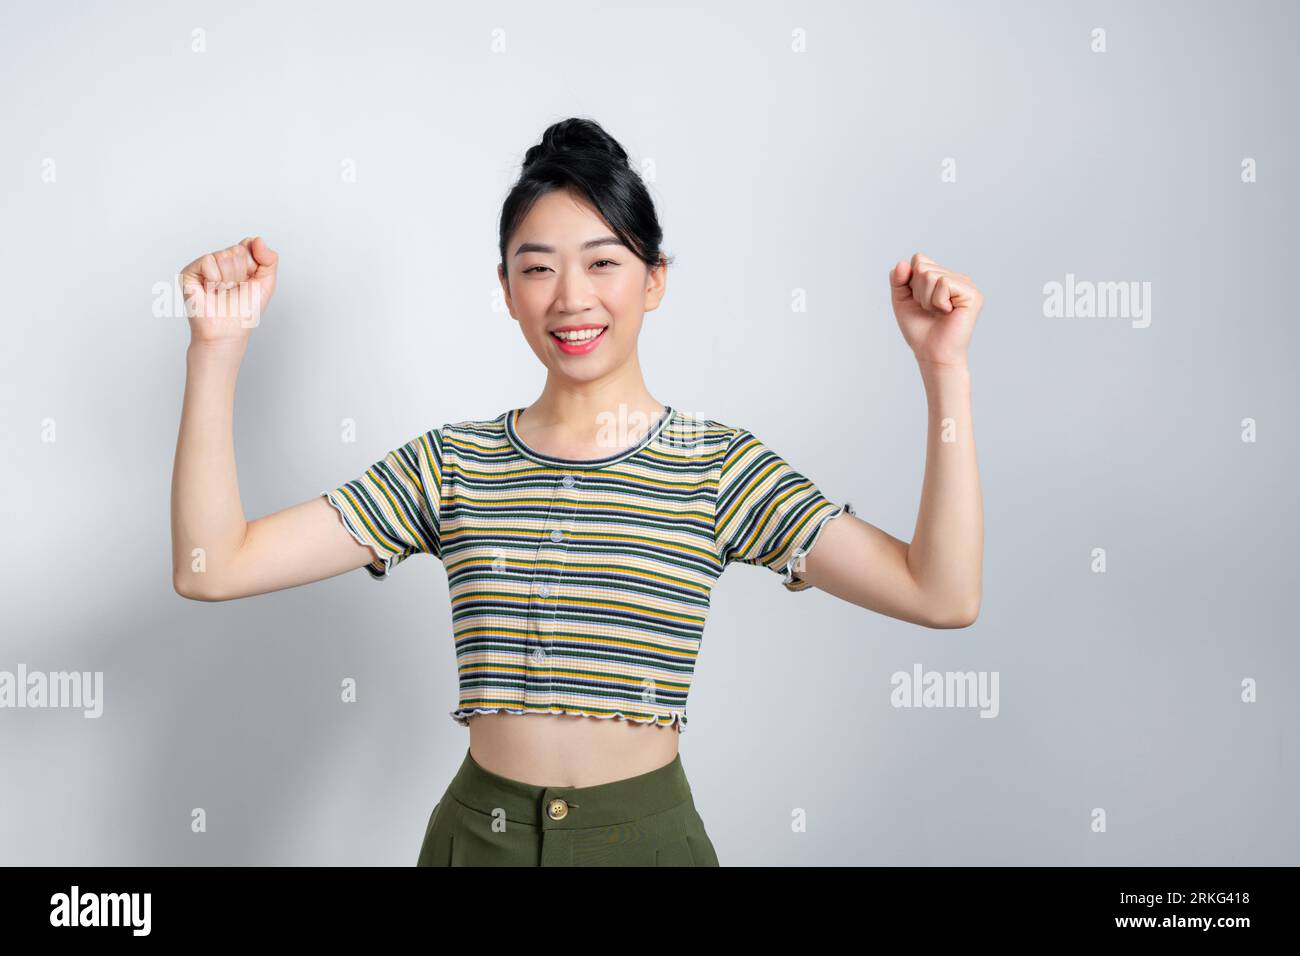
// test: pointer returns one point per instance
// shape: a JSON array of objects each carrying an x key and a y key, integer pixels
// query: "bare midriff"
[{"x": 563, "y": 750}]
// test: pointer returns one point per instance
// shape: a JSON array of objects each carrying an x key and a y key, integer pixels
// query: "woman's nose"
[{"x": 574, "y": 290}]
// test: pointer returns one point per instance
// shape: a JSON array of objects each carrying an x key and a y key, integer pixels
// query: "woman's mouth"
[{"x": 579, "y": 341}]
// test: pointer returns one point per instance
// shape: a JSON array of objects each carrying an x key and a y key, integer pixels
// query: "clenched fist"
[
  {"x": 226, "y": 291},
  {"x": 936, "y": 310}
]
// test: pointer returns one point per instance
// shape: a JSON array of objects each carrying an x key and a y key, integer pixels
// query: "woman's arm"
[
  {"x": 216, "y": 554},
  {"x": 936, "y": 579}
]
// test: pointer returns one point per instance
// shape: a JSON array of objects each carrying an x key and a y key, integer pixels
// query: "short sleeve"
[
  {"x": 766, "y": 512},
  {"x": 394, "y": 507}
]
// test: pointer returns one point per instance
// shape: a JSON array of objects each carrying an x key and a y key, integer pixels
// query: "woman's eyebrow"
[{"x": 589, "y": 244}]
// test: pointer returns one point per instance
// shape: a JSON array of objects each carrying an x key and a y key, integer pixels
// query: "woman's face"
[{"x": 567, "y": 271}]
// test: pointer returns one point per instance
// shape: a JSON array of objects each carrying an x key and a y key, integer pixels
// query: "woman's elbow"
[
  {"x": 194, "y": 587},
  {"x": 956, "y": 614}
]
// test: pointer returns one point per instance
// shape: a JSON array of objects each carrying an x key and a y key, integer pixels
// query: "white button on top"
[
  {"x": 539, "y": 655},
  {"x": 543, "y": 590},
  {"x": 567, "y": 481},
  {"x": 557, "y": 535}
]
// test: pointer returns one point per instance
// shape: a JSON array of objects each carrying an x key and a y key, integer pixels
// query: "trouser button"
[{"x": 558, "y": 809}]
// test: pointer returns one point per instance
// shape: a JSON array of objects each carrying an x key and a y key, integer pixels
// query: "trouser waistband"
[{"x": 606, "y": 804}]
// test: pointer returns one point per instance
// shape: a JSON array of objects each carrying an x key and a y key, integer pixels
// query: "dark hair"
[{"x": 577, "y": 154}]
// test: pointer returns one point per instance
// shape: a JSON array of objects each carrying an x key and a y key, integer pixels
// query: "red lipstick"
[{"x": 578, "y": 348}]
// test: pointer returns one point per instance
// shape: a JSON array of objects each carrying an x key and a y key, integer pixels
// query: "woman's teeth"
[{"x": 582, "y": 335}]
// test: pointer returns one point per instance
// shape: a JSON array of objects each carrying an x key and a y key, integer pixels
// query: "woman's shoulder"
[
  {"x": 468, "y": 427},
  {"x": 700, "y": 434},
  {"x": 688, "y": 422},
  {"x": 486, "y": 421}
]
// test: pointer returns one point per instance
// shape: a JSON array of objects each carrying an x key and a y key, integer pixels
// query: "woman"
[{"x": 581, "y": 534}]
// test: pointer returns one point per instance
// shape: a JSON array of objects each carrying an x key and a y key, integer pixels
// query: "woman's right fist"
[{"x": 226, "y": 291}]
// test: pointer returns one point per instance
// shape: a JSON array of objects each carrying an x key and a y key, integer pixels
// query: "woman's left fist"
[{"x": 936, "y": 310}]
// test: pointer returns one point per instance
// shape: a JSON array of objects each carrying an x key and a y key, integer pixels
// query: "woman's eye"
[{"x": 596, "y": 263}]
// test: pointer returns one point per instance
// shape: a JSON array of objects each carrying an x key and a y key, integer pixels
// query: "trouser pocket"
[
  {"x": 697, "y": 840},
  {"x": 436, "y": 850}
]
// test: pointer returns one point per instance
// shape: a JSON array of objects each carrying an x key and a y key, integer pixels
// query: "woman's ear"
[
  {"x": 505, "y": 289},
  {"x": 656, "y": 283}
]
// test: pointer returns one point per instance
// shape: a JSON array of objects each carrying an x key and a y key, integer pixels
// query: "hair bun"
[
  {"x": 575, "y": 135},
  {"x": 577, "y": 156}
]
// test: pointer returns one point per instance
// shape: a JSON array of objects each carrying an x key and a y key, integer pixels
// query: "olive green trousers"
[{"x": 485, "y": 819}]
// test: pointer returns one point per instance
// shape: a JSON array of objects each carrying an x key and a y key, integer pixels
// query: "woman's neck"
[{"x": 588, "y": 424}]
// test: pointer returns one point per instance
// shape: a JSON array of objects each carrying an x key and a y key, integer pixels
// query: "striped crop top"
[{"x": 581, "y": 586}]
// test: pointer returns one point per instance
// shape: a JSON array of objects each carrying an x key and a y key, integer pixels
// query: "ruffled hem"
[
  {"x": 789, "y": 580},
  {"x": 678, "y": 719},
  {"x": 361, "y": 539}
]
